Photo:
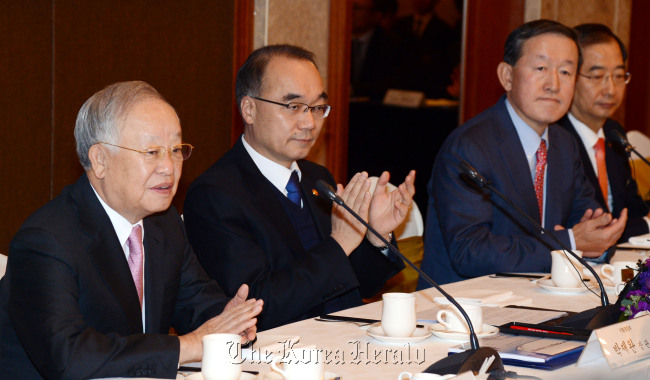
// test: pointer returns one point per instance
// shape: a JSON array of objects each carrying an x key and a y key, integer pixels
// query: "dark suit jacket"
[
  {"x": 470, "y": 233},
  {"x": 623, "y": 187},
  {"x": 68, "y": 305},
  {"x": 242, "y": 235}
]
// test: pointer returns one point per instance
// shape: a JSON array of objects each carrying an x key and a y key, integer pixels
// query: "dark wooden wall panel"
[
  {"x": 56, "y": 54},
  {"x": 487, "y": 28},
  {"x": 183, "y": 49},
  {"x": 25, "y": 111},
  {"x": 638, "y": 91}
]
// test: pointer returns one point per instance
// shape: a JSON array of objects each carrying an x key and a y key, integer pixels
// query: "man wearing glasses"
[
  {"x": 97, "y": 277},
  {"x": 252, "y": 217},
  {"x": 600, "y": 88}
]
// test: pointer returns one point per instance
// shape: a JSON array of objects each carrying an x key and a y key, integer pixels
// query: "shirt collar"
[
  {"x": 277, "y": 174},
  {"x": 530, "y": 140},
  {"x": 587, "y": 135},
  {"x": 121, "y": 226}
]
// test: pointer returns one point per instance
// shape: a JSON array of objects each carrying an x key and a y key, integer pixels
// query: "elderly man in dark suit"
[
  {"x": 253, "y": 218},
  {"x": 600, "y": 88},
  {"x": 469, "y": 233},
  {"x": 97, "y": 277}
]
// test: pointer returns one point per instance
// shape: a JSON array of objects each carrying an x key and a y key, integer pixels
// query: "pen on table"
[
  {"x": 523, "y": 328},
  {"x": 198, "y": 369},
  {"x": 525, "y": 275},
  {"x": 340, "y": 318}
]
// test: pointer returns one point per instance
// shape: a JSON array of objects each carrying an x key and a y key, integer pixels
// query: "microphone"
[
  {"x": 590, "y": 319},
  {"x": 617, "y": 138},
  {"x": 470, "y": 360}
]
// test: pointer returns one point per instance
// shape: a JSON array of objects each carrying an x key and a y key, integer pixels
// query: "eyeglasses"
[
  {"x": 618, "y": 78},
  {"x": 320, "y": 110},
  {"x": 179, "y": 152}
]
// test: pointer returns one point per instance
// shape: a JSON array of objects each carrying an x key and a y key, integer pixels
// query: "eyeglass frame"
[
  {"x": 310, "y": 108},
  {"x": 158, "y": 156},
  {"x": 628, "y": 77}
]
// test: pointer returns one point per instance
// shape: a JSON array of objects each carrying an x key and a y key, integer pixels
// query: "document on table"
[
  {"x": 497, "y": 316},
  {"x": 486, "y": 297},
  {"x": 530, "y": 352}
]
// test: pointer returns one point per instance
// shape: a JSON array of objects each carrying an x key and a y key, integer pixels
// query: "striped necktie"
[
  {"x": 135, "y": 260},
  {"x": 539, "y": 177}
]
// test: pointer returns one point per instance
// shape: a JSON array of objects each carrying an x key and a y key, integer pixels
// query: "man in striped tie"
[
  {"x": 98, "y": 276},
  {"x": 515, "y": 145},
  {"x": 600, "y": 88}
]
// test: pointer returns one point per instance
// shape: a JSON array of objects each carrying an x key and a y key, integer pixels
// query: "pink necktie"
[
  {"x": 599, "y": 147},
  {"x": 135, "y": 258},
  {"x": 539, "y": 177}
]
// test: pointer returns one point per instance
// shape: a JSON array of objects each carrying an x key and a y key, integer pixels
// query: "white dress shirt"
[{"x": 277, "y": 174}]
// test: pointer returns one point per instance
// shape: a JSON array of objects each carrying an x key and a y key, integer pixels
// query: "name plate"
[
  {"x": 620, "y": 344},
  {"x": 404, "y": 98}
]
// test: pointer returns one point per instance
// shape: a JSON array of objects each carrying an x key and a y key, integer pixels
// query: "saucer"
[
  {"x": 441, "y": 332},
  {"x": 418, "y": 335},
  {"x": 549, "y": 285}
]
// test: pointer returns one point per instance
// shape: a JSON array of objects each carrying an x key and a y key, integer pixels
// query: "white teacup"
[
  {"x": 398, "y": 314},
  {"x": 619, "y": 272},
  {"x": 453, "y": 320},
  {"x": 301, "y": 364},
  {"x": 563, "y": 273},
  {"x": 221, "y": 357},
  {"x": 423, "y": 376}
]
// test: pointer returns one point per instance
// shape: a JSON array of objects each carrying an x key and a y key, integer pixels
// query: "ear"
[
  {"x": 504, "y": 72},
  {"x": 248, "y": 109},
  {"x": 97, "y": 155}
]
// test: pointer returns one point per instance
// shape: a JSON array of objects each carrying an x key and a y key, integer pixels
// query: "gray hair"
[{"x": 101, "y": 117}]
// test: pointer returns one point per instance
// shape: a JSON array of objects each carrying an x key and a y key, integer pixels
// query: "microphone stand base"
[
  {"x": 470, "y": 360},
  {"x": 595, "y": 318}
]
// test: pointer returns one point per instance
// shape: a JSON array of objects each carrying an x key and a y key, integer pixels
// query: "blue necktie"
[{"x": 293, "y": 188}]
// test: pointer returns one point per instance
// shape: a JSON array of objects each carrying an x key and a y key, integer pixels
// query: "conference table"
[{"x": 349, "y": 352}]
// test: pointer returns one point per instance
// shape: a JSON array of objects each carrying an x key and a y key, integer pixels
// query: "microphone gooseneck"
[
  {"x": 617, "y": 138},
  {"x": 325, "y": 190},
  {"x": 485, "y": 184},
  {"x": 470, "y": 360}
]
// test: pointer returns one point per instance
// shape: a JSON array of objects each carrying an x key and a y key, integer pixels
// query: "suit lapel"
[
  {"x": 555, "y": 163},
  {"x": 321, "y": 219},
  {"x": 588, "y": 168},
  {"x": 154, "y": 249},
  {"x": 108, "y": 254},
  {"x": 616, "y": 177},
  {"x": 515, "y": 165},
  {"x": 265, "y": 198}
]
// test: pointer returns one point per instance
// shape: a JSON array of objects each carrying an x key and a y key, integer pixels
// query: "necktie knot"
[
  {"x": 293, "y": 188},
  {"x": 134, "y": 242}
]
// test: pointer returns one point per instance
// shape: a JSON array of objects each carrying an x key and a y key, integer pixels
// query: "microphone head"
[
  {"x": 617, "y": 138},
  {"x": 323, "y": 189},
  {"x": 473, "y": 175}
]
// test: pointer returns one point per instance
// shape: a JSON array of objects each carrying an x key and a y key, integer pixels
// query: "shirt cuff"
[{"x": 572, "y": 239}]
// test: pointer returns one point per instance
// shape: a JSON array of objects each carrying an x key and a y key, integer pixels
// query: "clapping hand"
[{"x": 389, "y": 209}]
